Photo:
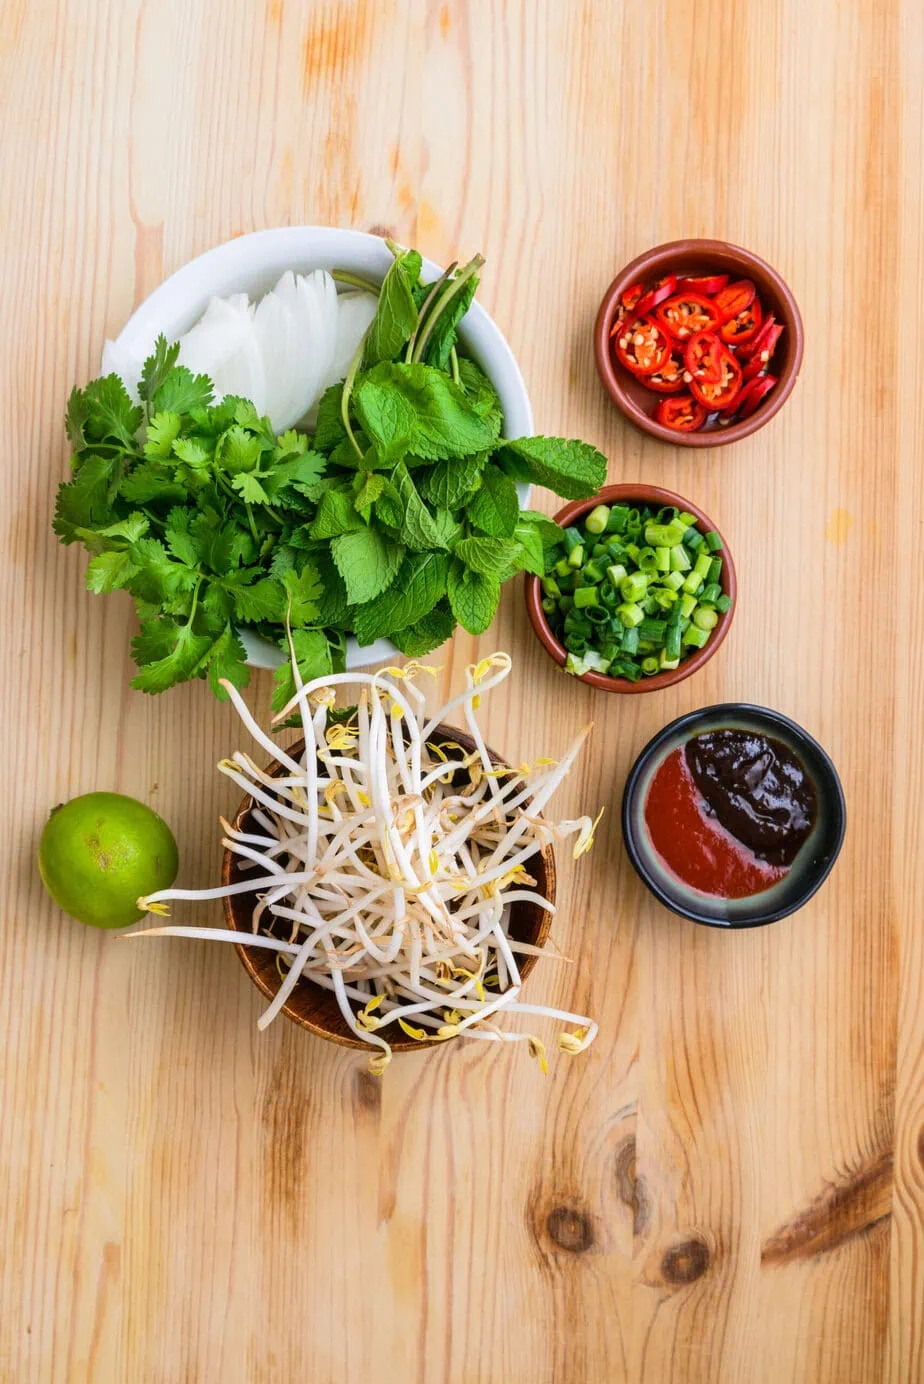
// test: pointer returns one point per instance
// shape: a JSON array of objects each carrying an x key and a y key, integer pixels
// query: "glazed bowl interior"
[
  {"x": 636, "y": 494},
  {"x": 815, "y": 858},
  {"x": 698, "y": 257},
  {"x": 315, "y": 1008},
  {"x": 253, "y": 264}
]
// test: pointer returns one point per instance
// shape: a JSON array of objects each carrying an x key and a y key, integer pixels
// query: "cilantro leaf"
[
  {"x": 313, "y": 656},
  {"x": 185, "y": 545},
  {"x": 181, "y": 391},
  {"x": 110, "y": 412},
  {"x": 303, "y": 594},
  {"x": 238, "y": 450},
  {"x": 414, "y": 408},
  {"x": 473, "y": 597},
  {"x": 228, "y": 546},
  {"x": 453, "y": 482},
  {"x": 574, "y": 470},
  {"x": 78, "y": 411},
  {"x": 420, "y": 583},
  {"x": 163, "y": 430},
  {"x": 179, "y": 663},
  {"x": 395, "y": 317},
  {"x": 262, "y": 601},
  {"x": 110, "y": 571},
  {"x": 151, "y": 481},
  {"x": 368, "y": 561},
  {"x": 428, "y": 633},
  {"x": 495, "y": 507},
  {"x": 226, "y": 659},
  {"x": 160, "y": 579},
  {"x": 248, "y": 486},
  {"x": 131, "y": 529},
  {"x": 86, "y": 501},
  {"x": 157, "y": 367}
]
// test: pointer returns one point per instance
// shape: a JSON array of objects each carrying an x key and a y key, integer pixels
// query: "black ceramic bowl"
[{"x": 811, "y": 866}]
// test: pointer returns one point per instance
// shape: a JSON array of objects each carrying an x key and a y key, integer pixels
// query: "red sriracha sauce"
[{"x": 693, "y": 845}]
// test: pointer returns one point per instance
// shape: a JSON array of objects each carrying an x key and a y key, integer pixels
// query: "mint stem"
[{"x": 455, "y": 287}]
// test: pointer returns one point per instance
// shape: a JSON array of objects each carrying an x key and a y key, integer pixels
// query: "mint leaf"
[
  {"x": 548, "y": 530},
  {"x": 336, "y": 515},
  {"x": 473, "y": 597},
  {"x": 334, "y": 606},
  {"x": 181, "y": 391},
  {"x": 532, "y": 553},
  {"x": 452, "y": 483},
  {"x": 163, "y": 430},
  {"x": 495, "y": 508},
  {"x": 420, "y": 583},
  {"x": 262, "y": 601},
  {"x": 492, "y": 557},
  {"x": 157, "y": 367},
  {"x": 481, "y": 393},
  {"x": 313, "y": 656},
  {"x": 418, "y": 529},
  {"x": 395, "y": 317},
  {"x": 447, "y": 528},
  {"x": 414, "y": 408},
  {"x": 329, "y": 430},
  {"x": 368, "y": 561},
  {"x": 444, "y": 334},
  {"x": 226, "y": 659},
  {"x": 428, "y": 633},
  {"x": 177, "y": 665},
  {"x": 110, "y": 413},
  {"x": 388, "y": 507},
  {"x": 110, "y": 571},
  {"x": 370, "y": 488},
  {"x": 573, "y": 469},
  {"x": 303, "y": 594}
]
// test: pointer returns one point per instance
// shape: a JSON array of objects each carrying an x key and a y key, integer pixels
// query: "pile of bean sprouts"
[{"x": 386, "y": 862}]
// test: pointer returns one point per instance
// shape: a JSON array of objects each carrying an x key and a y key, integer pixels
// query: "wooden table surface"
[{"x": 730, "y": 1185}]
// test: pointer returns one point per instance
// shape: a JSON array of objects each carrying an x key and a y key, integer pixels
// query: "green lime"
[{"x": 101, "y": 852}]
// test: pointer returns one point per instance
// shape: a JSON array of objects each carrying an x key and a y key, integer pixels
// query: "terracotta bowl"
[
  {"x": 636, "y": 494},
  {"x": 315, "y": 1008},
  {"x": 699, "y": 257}
]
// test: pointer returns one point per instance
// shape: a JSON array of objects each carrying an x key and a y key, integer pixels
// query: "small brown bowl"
[
  {"x": 317, "y": 1009},
  {"x": 692, "y": 257},
  {"x": 636, "y": 494}
]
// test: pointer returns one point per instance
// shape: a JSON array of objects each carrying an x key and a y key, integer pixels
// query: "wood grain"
[{"x": 728, "y": 1187}]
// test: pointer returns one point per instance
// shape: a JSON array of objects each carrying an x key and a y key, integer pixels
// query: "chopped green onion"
[
  {"x": 694, "y": 637},
  {"x": 618, "y": 518},
  {"x": 599, "y": 550},
  {"x": 629, "y": 613},
  {"x": 550, "y": 587},
  {"x": 616, "y": 573},
  {"x": 597, "y": 614},
  {"x": 673, "y": 581},
  {"x": 596, "y": 520},
  {"x": 585, "y": 596},
  {"x": 625, "y": 668},
  {"x": 593, "y": 572},
  {"x": 562, "y": 568},
  {"x": 629, "y": 642},
  {"x": 713, "y": 541},
  {"x": 549, "y": 604},
  {"x": 715, "y": 570},
  {"x": 634, "y": 586},
  {"x": 572, "y": 538},
  {"x": 609, "y": 596},
  {"x": 672, "y": 641},
  {"x": 693, "y": 538},
  {"x": 633, "y": 550},
  {"x": 649, "y": 665},
  {"x": 684, "y": 517},
  {"x": 666, "y": 661},
  {"x": 680, "y": 559},
  {"x": 652, "y": 629},
  {"x": 576, "y": 557},
  {"x": 711, "y": 593},
  {"x": 723, "y": 604},
  {"x": 687, "y": 606}
]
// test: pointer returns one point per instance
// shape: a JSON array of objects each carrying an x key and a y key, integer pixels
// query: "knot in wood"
[
  {"x": 570, "y": 1229},
  {"x": 686, "y": 1262}
]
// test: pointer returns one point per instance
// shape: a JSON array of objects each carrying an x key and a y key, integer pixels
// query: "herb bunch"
[{"x": 398, "y": 519}]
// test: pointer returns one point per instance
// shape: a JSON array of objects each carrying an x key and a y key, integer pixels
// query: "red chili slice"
[
  {"x": 762, "y": 346},
  {"x": 630, "y": 297},
  {"x": 669, "y": 379},
  {"x": 706, "y": 284},
  {"x": 686, "y": 314},
  {"x": 703, "y": 356},
  {"x": 718, "y": 394},
  {"x": 681, "y": 412},
  {"x": 754, "y": 394},
  {"x": 660, "y": 290},
  {"x": 643, "y": 347},
  {"x": 734, "y": 299},
  {"x": 744, "y": 326}
]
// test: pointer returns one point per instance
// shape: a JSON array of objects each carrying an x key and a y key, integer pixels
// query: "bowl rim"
[
  {"x": 629, "y": 490},
  {"x": 234, "y": 265},
  {"x": 248, "y": 957},
  {"x": 645, "y": 264},
  {"x": 837, "y": 807}
]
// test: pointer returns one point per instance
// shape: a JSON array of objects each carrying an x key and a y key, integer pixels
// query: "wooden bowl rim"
[
  {"x": 247, "y": 958},
  {"x": 643, "y": 494}
]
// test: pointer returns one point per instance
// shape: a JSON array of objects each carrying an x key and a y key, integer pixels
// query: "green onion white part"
[{"x": 380, "y": 880}]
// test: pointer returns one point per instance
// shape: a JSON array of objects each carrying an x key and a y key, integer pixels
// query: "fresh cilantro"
[
  {"x": 313, "y": 656},
  {"x": 157, "y": 367},
  {"x": 186, "y": 649},
  {"x": 303, "y": 594}
]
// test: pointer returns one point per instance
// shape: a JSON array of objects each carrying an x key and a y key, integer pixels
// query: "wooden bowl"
[
  {"x": 692, "y": 257},
  {"x": 636, "y": 494},
  {"x": 315, "y": 1008}
]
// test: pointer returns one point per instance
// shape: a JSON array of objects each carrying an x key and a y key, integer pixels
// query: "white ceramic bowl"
[{"x": 253, "y": 264}]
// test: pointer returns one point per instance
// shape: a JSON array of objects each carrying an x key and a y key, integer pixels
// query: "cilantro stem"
[
  {"x": 458, "y": 283},
  {"x": 195, "y": 601},
  {"x": 425, "y": 307},
  {"x": 253, "y": 527}
]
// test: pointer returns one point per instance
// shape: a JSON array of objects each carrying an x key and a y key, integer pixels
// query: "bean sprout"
[{"x": 389, "y": 862}]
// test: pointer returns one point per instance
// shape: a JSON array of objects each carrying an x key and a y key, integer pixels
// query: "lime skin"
[{"x": 101, "y": 852}]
